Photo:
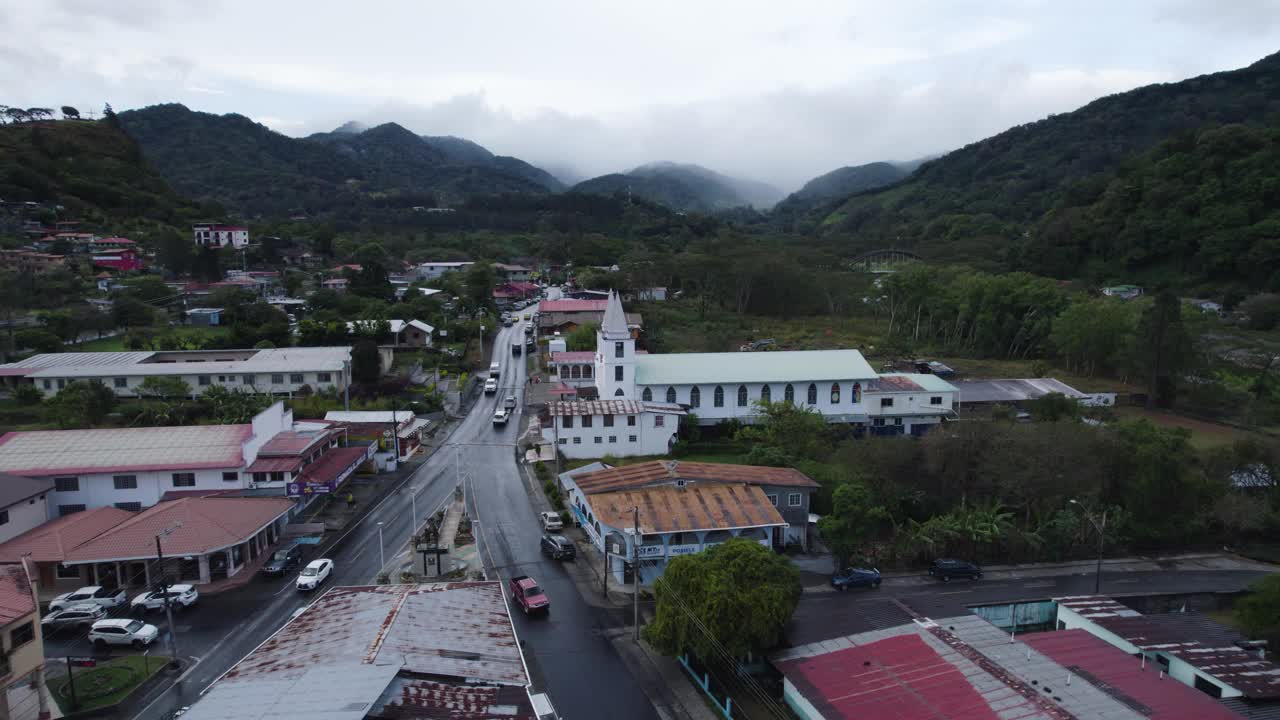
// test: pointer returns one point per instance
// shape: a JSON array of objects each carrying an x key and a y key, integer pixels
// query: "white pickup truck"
[{"x": 500, "y": 416}]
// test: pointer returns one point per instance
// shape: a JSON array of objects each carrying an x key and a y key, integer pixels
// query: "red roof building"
[
  {"x": 569, "y": 306},
  {"x": 48, "y": 545}
]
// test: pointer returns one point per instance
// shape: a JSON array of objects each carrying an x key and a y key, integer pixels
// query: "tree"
[
  {"x": 37, "y": 339},
  {"x": 735, "y": 597},
  {"x": 163, "y": 386},
  {"x": 1163, "y": 348},
  {"x": 1262, "y": 311},
  {"x": 366, "y": 362},
  {"x": 800, "y": 432},
  {"x": 174, "y": 252},
  {"x": 228, "y": 407},
  {"x": 39, "y": 113},
  {"x": 70, "y": 113},
  {"x": 129, "y": 312},
  {"x": 1259, "y": 611},
  {"x": 479, "y": 281},
  {"x": 1054, "y": 407},
  {"x": 853, "y": 522},
  {"x": 82, "y": 404},
  {"x": 582, "y": 338}
]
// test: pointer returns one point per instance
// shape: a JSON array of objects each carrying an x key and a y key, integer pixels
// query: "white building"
[
  {"x": 277, "y": 371},
  {"x": 838, "y": 384},
  {"x": 23, "y": 504},
  {"x": 594, "y": 428},
  {"x": 219, "y": 236},
  {"x": 433, "y": 270}
]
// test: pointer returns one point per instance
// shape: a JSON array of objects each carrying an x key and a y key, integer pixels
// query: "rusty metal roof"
[
  {"x": 668, "y": 508},
  {"x": 407, "y": 651},
  {"x": 610, "y": 407},
  {"x": 666, "y": 471}
]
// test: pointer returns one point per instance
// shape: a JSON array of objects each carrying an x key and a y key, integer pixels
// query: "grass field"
[
  {"x": 1203, "y": 434},
  {"x": 111, "y": 681},
  {"x": 116, "y": 343}
]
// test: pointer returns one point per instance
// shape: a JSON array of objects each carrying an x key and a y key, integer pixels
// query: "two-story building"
[
  {"x": 22, "y": 692},
  {"x": 220, "y": 236},
  {"x": 434, "y": 269},
  {"x": 595, "y": 428},
  {"x": 24, "y": 503}
]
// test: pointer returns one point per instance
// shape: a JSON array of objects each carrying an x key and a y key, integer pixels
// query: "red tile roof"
[
  {"x": 667, "y": 471},
  {"x": 291, "y": 442},
  {"x": 1127, "y": 681},
  {"x": 573, "y": 356},
  {"x": 52, "y": 541},
  {"x": 567, "y": 306},
  {"x": 16, "y": 601},
  {"x": 274, "y": 464},
  {"x": 207, "y": 524},
  {"x": 332, "y": 463}
]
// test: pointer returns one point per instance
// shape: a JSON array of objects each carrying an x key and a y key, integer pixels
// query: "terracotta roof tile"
[
  {"x": 16, "y": 600},
  {"x": 52, "y": 541}
]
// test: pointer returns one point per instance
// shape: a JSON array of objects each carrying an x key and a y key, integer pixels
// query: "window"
[
  {"x": 617, "y": 374},
  {"x": 597, "y": 439},
  {"x": 324, "y": 377},
  {"x": 773, "y": 499},
  {"x": 835, "y": 393},
  {"x": 647, "y": 395},
  {"x": 877, "y": 422},
  {"x": 658, "y": 420},
  {"x": 742, "y": 396},
  {"x": 66, "y": 572},
  {"x": 568, "y": 422},
  {"x": 857, "y": 393},
  {"x": 577, "y": 441},
  {"x": 66, "y": 484},
  {"x": 608, "y": 421},
  {"x": 631, "y": 438},
  {"x": 48, "y": 384},
  {"x": 812, "y": 398},
  {"x": 277, "y": 379},
  {"x": 125, "y": 482},
  {"x": 631, "y": 421},
  {"x": 717, "y": 397},
  {"x": 935, "y": 400},
  {"x": 277, "y": 476},
  {"x": 184, "y": 479},
  {"x": 69, "y": 509},
  {"x": 613, "y": 439},
  {"x": 4, "y": 517},
  {"x": 247, "y": 379},
  {"x": 886, "y": 402},
  {"x": 62, "y": 383},
  {"x": 575, "y": 372},
  {"x": 897, "y": 421},
  {"x": 671, "y": 394},
  {"x": 789, "y": 394},
  {"x": 259, "y": 477},
  {"x": 230, "y": 477},
  {"x": 204, "y": 380},
  {"x": 618, "y": 392},
  {"x": 130, "y": 506},
  {"x": 619, "y": 350},
  {"x": 21, "y": 635},
  {"x": 794, "y": 499},
  {"x": 695, "y": 397},
  {"x": 586, "y": 421},
  {"x": 297, "y": 378},
  {"x": 120, "y": 382},
  {"x": 766, "y": 393},
  {"x": 564, "y": 441}
]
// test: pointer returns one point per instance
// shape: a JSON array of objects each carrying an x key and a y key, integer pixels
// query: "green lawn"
[
  {"x": 108, "y": 683},
  {"x": 1203, "y": 434},
  {"x": 192, "y": 334}
]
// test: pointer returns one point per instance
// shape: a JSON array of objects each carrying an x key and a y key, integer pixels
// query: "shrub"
[{"x": 28, "y": 395}]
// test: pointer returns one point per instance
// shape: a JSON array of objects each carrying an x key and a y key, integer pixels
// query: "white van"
[
  {"x": 494, "y": 368},
  {"x": 542, "y": 707}
]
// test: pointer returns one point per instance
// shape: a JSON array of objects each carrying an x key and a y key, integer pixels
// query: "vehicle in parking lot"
[
  {"x": 551, "y": 520},
  {"x": 122, "y": 631},
  {"x": 500, "y": 416},
  {"x": 284, "y": 558},
  {"x": 314, "y": 573},
  {"x": 856, "y": 577},
  {"x": 180, "y": 596},
  {"x": 558, "y": 547},
  {"x": 96, "y": 594},
  {"x": 490, "y": 386},
  {"x": 946, "y": 568},
  {"x": 76, "y": 616},
  {"x": 528, "y": 595}
]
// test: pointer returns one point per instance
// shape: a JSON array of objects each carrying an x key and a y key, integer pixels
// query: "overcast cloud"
[{"x": 773, "y": 91}]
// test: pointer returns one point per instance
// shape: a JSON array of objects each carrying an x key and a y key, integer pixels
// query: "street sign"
[{"x": 83, "y": 661}]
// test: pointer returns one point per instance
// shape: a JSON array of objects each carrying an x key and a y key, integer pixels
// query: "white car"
[
  {"x": 490, "y": 386},
  {"x": 314, "y": 573},
  {"x": 551, "y": 521},
  {"x": 500, "y": 417},
  {"x": 122, "y": 631},
  {"x": 77, "y": 616},
  {"x": 494, "y": 369},
  {"x": 180, "y": 596},
  {"x": 95, "y": 594}
]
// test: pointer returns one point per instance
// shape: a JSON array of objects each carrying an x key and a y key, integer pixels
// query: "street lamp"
[
  {"x": 164, "y": 588},
  {"x": 381, "y": 552},
  {"x": 1101, "y": 527}
]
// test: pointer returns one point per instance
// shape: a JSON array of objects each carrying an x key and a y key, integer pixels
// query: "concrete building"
[
  {"x": 405, "y": 333},
  {"x": 220, "y": 236},
  {"x": 279, "y": 371},
  {"x": 434, "y": 269},
  {"x": 414, "y": 652},
  {"x": 595, "y": 428},
  {"x": 22, "y": 688},
  {"x": 46, "y": 547},
  {"x": 23, "y": 504},
  {"x": 513, "y": 273}
]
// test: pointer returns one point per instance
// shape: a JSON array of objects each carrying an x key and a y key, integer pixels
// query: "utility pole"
[
  {"x": 482, "y": 344},
  {"x": 635, "y": 571},
  {"x": 1101, "y": 528},
  {"x": 164, "y": 588},
  {"x": 605, "y": 574},
  {"x": 346, "y": 386}
]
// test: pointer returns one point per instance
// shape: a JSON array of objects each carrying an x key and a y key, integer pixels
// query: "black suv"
[
  {"x": 284, "y": 558},
  {"x": 947, "y": 568},
  {"x": 558, "y": 547}
]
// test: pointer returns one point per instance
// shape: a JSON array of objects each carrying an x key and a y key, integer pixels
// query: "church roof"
[
  {"x": 614, "y": 325},
  {"x": 751, "y": 367}
]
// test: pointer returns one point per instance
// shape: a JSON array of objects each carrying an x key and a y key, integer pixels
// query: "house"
[
  {"x": 442, "y": 650},
  {"x": 622, "y": 428},
  {"x": 313, "y": 458},
  {"x": 46, "y": 547},
  {"x": 405, "y": 333},
  {"x": 210, "y": 538},
  {"x": 338, "y": 285},
  {"x": 646, "y": 518},
  {"x": 279, "y": 371},
  {"x": 434, "y": 269},
  {"x": 650, "y": 294},
  {"x": 574, "y": 368},
  {"x": 204, "y": 317},
  {"x": 789, "y": 491},
  {"x": 510, "y": 292},
  {"x": 378, "y": 425},
  {"x": 220, "y": 236},
  {"x": 22, "y": 689},
  {"x": 31, "y": 262},
  {"x": 23, "y": 504},
  {"x": 513, "y": 273},
  {"x": 1124, "y": 292}
]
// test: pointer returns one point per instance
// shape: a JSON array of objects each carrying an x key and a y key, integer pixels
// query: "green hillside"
[
  {"x": 683, "y": 187},
  {"x": 837, "y": 184}
]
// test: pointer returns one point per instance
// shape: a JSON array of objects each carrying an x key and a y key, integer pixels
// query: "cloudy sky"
[{"x": 776, "y": 91}]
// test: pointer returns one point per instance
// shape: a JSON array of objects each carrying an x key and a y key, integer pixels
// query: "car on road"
[
  {"x": 558, "y": 547},
  {"x": 500, "y": 417},
  {"x": 180, "y": 597},
  {"x": 76, "y": 616},
  {"x": 856, "y": 577},
  {"x": 494, "y": 370},
  {"x": 528, "y": 595},
  {"x": 122, "y": 631},
  {"x": 509, "y": 402},
  {"x": 550, "y": 520},
  {"x": 490, "y": 386},
  {"x": 283, "y": 559},
  {"x": 314, "y": 573},
  {"x": 946, "y": 568},
  {"x": 516, "y": 347},
  {"x": 506, "y": 322},
  {"x": 106, "y": 597}
]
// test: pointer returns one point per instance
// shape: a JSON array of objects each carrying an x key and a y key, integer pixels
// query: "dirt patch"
[{"x": 1203, "y": 434}]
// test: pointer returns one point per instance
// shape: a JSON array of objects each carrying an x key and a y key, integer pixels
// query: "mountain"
[
  {"x": 845, "y": 181},
  {"x": 684, "y": 187},
  {"x": 980, "y": 203},
  {"x": 93, "y": 169},
  {"x": 249, "y": 167},
  {"x": 459, "y": 150}
]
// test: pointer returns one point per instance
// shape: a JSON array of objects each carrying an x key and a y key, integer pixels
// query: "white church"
[{"x": 641, "y": 397}]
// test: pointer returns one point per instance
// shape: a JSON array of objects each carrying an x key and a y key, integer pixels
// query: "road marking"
[
  {"x": 1122, "y": 582},
  {"x": 1042, "y": 583},
  {"x": 955, "y": 592}
]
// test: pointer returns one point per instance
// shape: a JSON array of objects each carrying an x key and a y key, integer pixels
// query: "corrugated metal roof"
[
  {"x": 667, "y": 508},
  {"x": 749, "y": 367},
  {"x": 595, "y": 407},
  {"x": 908, "y": 382},
  {"x": 1253, "y": 710},
  {"x": 667, "y": 471},
  {"x": 75, "y": 452},
  {"x": 294, "y": 442},
  {"x": 275, "y": 464},
  {"x": 16, "y": 488},
  {"x": 1012, "y": 390},
  {"x": 573, "y": 356},
  {"x": 132, "y": 364},
  {"x": 399, "y": 417}
]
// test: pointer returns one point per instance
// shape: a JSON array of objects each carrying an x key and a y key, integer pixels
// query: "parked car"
[
  {"x": 946, "y": 568},
  {"x": 551, "y": 521},
  {"x": 490, "y": 386},
  {"x": 856, "y": 577},
  {"x": 122, "y": 631},
  {"x": 76, "y": 616},
  {"x": 506, "y": 322},
  {"x": 95, "y": 594},
  {"x": 180, "y": 597},
  {"x": 284, "y": 558},
  {"x": 314, "y": 573},
  {"x": 500, "y": 417},
  {"x": 509, "y": 402},
  {"x": 558, "y": 547},
  {"x": 528, "y": 595}
]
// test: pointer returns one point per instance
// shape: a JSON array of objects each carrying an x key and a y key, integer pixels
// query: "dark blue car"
[{"x": 856, "y": 577}]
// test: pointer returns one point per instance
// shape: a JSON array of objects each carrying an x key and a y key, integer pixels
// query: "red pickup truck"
[{"x": 528, "y": 595}]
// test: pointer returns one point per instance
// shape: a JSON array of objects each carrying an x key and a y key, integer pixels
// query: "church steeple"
[
  {"x": 615, "y": 354},
  {"x": 614, "y": 325}
]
